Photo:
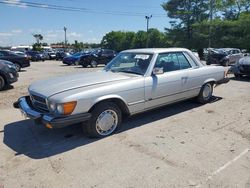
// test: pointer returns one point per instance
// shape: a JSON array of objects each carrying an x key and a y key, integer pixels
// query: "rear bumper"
[
  {"x": 25, "y": 106},
  {"x": 26, "y": 64},
  {"x": 223, "y": 81}
]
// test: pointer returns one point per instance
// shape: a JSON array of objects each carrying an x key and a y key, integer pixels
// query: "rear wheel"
[
  {"x": 106, "y": 117},
  {"x": 2, "y": 83},
  {"x": 206, "y": 93},
  {"x": 237, "y": 75},
  {"x": 93, "y": 63}
]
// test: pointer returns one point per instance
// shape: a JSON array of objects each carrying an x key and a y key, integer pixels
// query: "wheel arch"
[
  {"x": 119, "y": 101},
  {"x": 210, "y": 80}
]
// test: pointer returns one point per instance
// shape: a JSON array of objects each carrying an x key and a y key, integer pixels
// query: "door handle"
[{"x": 184, "y": 78}]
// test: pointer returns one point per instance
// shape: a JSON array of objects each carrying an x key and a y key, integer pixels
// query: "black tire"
[
  {"x": 206, "y": 93},
  {"x": 2, "y": 83},
  {"x": 84, "y": 65},
  {"x": 18, "y": 67},
  {"x": 237, "y": 75},
  {"x": 93, "y": 63},
  {"x": 106, "y": 118}
]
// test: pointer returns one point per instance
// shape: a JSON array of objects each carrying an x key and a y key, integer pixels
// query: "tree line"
[{"x": 196, "y": 24}]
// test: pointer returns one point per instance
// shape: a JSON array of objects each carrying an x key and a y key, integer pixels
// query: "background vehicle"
[
  {"x": 133, "y": 82},
  {"x": 20, "y": 53},
  {"x": 60, "y": 55},
  {"x": 223, "y": 56},
  {"x": 52, "y": 55},
  {"x": 242, "y": 67},
  {"x": 73, "y": 59},
  {"x": 96, "y": 57},
  {"x": 18, "y": 60},
  {"x": 8, "y": 73},
  {"x": 35, "y": 56}
]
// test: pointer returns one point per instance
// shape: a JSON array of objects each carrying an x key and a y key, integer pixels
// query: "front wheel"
[
  {"x": 206, "y": 93},
  {"x": 106, "y": 117}
]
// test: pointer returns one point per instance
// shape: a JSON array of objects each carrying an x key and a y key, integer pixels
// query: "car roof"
[{"x": 156, "y": 50}]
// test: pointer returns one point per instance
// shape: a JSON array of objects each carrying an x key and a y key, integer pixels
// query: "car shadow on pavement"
[
  {"x": 8, "y": 87},
  {"x": 23, "y": 70},
  {"x": 242, "y": 79},
  {"x": 37, "y": 142}
]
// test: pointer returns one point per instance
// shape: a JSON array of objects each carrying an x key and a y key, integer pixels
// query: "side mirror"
[{"x": 158, "y": 70}]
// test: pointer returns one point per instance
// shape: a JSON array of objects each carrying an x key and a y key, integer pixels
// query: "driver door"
[{"x": 167, "y": 87}]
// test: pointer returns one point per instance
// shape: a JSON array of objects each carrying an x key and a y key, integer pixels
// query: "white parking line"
[{"x": 228, "y": 164}]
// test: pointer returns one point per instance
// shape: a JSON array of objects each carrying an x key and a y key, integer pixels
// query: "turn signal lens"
[
  {"x": 69, "y": 107},
  {"x": 48, "y": 126}
]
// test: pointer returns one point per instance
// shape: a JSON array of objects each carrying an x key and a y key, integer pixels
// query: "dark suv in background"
[
  {"x": 96, "y": 57},
  {"x": 223, "y": 56},
  {"x": 35, "y": 56},
  {"x": 8, "y": 73},
  {"x": 19, "y": 61}
]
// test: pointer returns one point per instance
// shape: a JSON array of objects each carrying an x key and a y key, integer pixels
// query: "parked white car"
[{"x": 133, "y": 82}]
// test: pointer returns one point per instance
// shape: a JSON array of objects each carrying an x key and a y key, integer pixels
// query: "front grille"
[{"x": 39, "y": 102}]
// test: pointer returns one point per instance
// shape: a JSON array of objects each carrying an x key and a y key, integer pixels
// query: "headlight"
[
  {"x": 52, "y": 107},
  {"x": 64, "y": 108},
  {"x": 60, "y": 109}
]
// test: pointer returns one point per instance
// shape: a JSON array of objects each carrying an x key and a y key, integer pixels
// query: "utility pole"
[
  {"x": 210, "y": 21},
  {"x": 147, "y": 18},
  {"x": 65, "y": 37}
]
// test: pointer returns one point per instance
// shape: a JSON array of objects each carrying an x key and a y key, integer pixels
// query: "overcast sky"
[{"x": 86, "y": 20}]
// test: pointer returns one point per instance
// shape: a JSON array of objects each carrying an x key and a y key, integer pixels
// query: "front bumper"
[{"x": 50, "y": 121}]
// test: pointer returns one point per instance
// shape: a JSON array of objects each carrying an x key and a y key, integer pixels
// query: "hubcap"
[
  {"x": 207, "y": 91},
  {"x": 17, "y": 67},
  {"x": 106, "y": 122}
]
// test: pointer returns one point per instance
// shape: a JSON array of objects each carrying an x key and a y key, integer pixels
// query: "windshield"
[{"x": 134, "y": 63}]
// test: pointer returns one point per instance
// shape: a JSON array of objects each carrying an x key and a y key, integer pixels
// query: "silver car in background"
[{"x": 133, "y": 82}]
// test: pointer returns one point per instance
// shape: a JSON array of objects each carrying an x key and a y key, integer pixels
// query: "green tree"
[
  {"x": 38, "y": 38},
  {"x": 225, "y": 33},
  {"x": 186, "y": 13}
]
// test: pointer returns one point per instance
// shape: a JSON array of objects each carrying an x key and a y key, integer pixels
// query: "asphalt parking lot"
[{"x": 182, "y": 145}]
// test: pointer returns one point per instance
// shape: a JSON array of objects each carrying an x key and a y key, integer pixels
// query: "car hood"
[{"x": 56, "y": 85}]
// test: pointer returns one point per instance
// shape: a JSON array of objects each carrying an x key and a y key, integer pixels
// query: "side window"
[
  {"x": 1, "y": 55},
  {"x": 184, "y": 64},
  {"x": 190, "y": 60},
  {"x": 236, "y": 52},
  {"x": 168, "y": 62}
]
